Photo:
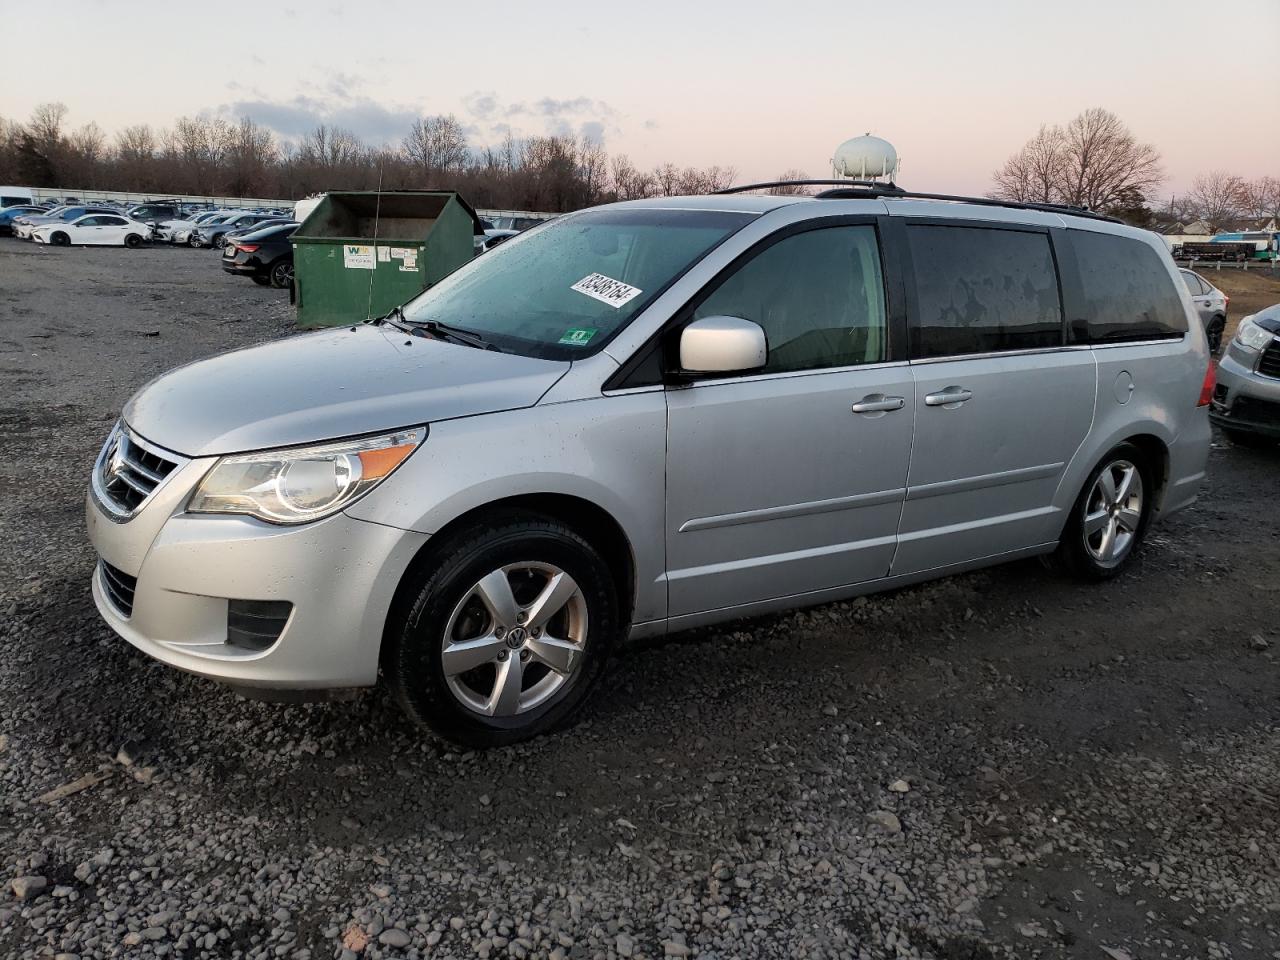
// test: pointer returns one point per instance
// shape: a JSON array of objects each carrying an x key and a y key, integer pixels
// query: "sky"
[{"x": 955, "y": 85}]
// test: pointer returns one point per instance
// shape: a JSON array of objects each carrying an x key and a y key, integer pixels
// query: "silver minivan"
[{"x": 644, "y": 417}]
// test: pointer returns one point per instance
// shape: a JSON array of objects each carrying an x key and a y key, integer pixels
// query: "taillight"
[
  {"x": 1226, "y": 299},
  {"x": 1210, "y": 381},
  {"x": 246, "y": 247}
]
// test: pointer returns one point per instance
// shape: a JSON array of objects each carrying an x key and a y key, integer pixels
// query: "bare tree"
[
  {"x": 1035, "y": 173},
  {"x": 1261, "y": 198},
  {"x": 437, "y": 144},
  {"x": 45, "y": 125},
  {"x": 1217, "y": 197},
  {"x": 593, "y": 169},
  {"x": 790, "y": 190},
  {"x": 629, "y": 182},
  {"x": 667, "y": 179},
  {"x": 1094, "y": 162},
  {"x": 1105, "y": 163}
]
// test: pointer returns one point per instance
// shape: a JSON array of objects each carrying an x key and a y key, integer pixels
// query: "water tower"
[{"x": 866, "y": 158}]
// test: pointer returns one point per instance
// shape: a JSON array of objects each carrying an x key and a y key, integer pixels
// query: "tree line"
[
  {"x": 1097, "y": 163},
  {"x": 213, "y": 156}
]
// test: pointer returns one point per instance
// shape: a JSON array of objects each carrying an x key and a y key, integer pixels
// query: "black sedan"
[{"x": 265, "y": 256}]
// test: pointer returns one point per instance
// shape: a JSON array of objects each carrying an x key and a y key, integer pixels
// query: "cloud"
[
  {"x": 567, "y": 117},
  {"x": 295, "y": 118}
]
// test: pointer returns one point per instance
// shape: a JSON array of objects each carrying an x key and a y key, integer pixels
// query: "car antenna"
[{"x": 377, "y": 212}]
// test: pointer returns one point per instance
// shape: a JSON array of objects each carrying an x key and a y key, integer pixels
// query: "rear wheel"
[
  {"x": 504, "y": 633},
  {"x": 60, "y": 239},
  {"x": 282, "y": 274},
  {"x": 132, "y": 241},
  {"x": 1213, "y": 331},
  {"x": 1110, "y": 516}
]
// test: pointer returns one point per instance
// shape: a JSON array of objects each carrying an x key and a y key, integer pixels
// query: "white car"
[{"x": 96, "y": 229}]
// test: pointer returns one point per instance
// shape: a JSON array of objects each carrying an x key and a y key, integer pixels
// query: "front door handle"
[
  {"x": 878, "y": 403},
  {"x": 950, "y": 398}
]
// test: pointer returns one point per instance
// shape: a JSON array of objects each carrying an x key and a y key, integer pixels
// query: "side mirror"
[{"x": 722, "y": 345}]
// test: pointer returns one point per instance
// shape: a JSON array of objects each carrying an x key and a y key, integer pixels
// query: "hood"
[{"x": 329, "y": 385}]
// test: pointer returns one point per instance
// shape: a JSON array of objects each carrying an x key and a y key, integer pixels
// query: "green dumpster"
[{"x": 359, "y": 254}]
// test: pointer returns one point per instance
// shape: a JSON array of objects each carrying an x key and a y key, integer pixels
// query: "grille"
[
  {"x": 119, "y": 587},
  {"x": 1269, "y": 364},
  {"x": 256, "y": 624},
  {"x": 128, "y": 471}
]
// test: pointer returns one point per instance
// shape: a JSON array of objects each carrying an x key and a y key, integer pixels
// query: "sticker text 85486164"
[{"x": 607, "y": 290}]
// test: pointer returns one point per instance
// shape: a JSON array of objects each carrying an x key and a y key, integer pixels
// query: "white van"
[{"x": 16, "y": 196}]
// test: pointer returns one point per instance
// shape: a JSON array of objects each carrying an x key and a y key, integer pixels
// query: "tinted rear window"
[
  {"x": 1128, "y": 292},
  {"x": 982, "y": 290}
]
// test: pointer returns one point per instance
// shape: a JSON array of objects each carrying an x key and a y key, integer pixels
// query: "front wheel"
[
  {"x": 505, "y": 632},
  {"x": 193, "y": 241},
  {"x": 1110, "y": 516},
  {"x": 60, "y": 239},
  {"x": 261, "y": 281}
]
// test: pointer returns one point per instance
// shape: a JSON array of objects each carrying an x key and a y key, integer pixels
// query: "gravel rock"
[{"x": 26, "y": 888}]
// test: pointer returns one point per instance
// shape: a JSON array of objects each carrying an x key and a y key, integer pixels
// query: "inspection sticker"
[
  {"x": 358, "y": 256},
  {"x": 605, "y": 289},
  {"x": 579, "y": 337},
  {"x": 384, "y": 254}
]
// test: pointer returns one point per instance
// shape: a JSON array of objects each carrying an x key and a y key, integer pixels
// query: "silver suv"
[
  {"x": 1246, "y": 402},
  {"x": 645, "y": 417}
]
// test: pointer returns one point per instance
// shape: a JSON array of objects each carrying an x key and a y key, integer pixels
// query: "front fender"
[{"x": 609, "y": 451}]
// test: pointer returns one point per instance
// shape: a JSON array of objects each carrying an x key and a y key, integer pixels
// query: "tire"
[
  {"x": 194, "y": 241},
  {"x": 1213, "y": 332},
  {"x": 1246, "y": 438},
  {"x": 451, "y": 597},
  {"x": 282, "y": 274},
  {"x": 1083, "y": 549},
  {"x": 132, "y": 241},
  {"x": 60, "y": 239},
  {"x": 261, "y": 281}
]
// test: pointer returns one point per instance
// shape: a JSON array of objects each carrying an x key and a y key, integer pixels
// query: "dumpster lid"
[{"x": 394, "y": 214}]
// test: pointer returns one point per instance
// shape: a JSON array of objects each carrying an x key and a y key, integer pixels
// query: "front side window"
[
  {"x": 818, "y": 295},
  {"x": 1129, "y": 294},
  {"x": 982, "y": 290},
  {"x": 565, "y": 288}
]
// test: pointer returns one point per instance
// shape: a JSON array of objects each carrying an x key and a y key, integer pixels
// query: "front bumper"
[
  {"x": 340, "y": 574},
  {"x": 1244, "y": 400}
]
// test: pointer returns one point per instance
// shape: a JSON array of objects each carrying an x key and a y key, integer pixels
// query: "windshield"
[{"x": 563, "y": 290}]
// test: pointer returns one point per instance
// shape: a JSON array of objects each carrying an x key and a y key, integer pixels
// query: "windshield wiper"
[{"x": 448, "y": 332}]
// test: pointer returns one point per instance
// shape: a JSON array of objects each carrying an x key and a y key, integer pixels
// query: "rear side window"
[
  {"x": 981, "y": 290},
  {"x": 1194, "y": 284},
  {"x": 1128, "y": 292}
]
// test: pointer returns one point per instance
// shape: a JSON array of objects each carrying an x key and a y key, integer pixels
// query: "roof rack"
[{"x": 870, "y": 189}]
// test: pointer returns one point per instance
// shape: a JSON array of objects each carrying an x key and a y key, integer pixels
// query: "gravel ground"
[{"x": 999, "y": 764}]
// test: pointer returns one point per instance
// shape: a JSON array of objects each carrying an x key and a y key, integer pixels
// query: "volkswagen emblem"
[{"x": 516, "y": 637}]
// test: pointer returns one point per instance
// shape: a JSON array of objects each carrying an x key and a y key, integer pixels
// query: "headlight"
[
  {"x": 1251, "y": 336},
  {"x": 304, "y": 483}
]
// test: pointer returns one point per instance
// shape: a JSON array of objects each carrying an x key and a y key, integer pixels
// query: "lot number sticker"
[
  {"x": 357, "y": 256},
  {"x": 579, "y": 337},
  {"x": 605, "y": 289}
]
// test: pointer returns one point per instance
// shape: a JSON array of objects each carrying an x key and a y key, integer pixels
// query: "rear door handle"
[
  {"x": 950, "y": 397},
  {"x": 878, "y": 403}
]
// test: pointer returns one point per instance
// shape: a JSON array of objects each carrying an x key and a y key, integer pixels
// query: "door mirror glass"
[{"x": 722, "y": 345}]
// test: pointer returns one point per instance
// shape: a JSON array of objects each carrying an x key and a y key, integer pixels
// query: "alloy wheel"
[
  {"x": 515, "y": 639},
  {"x": 1113, "y": 512}
]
